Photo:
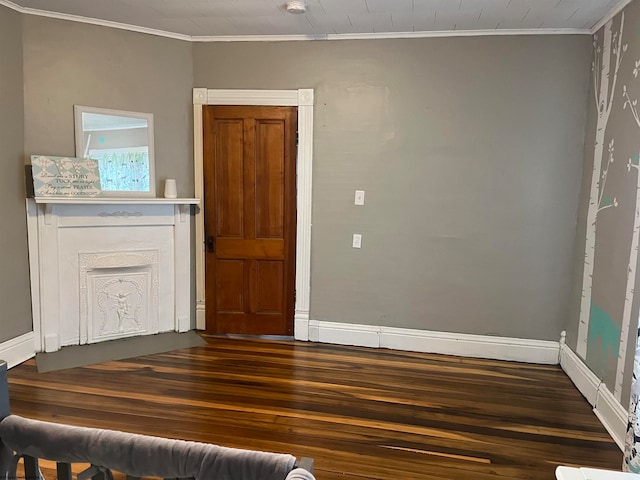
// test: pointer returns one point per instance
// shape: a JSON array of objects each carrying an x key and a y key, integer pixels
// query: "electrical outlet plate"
[
  {"x": 359, "y": 200},
  {"x": 357, "y": 240}
]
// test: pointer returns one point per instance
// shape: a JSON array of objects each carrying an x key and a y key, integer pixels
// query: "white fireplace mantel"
[
  {"x": 117, "y": 201},
  {"x": 108, "y": 267},
  {"x": 48, "y": 202}
]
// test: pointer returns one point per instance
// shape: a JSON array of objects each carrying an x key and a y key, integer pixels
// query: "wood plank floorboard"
[{"x": 360, "y": 413}]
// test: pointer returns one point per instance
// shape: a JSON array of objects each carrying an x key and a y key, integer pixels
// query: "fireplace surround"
[{"x": 108, "y": 268}]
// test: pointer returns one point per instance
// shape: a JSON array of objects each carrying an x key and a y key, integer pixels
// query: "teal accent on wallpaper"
[
  {"x": 603, "y": 327},
  {"x": 607, "y": 202}
]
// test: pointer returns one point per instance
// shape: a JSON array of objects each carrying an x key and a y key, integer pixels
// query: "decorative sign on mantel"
[{"x": 65, "y": 177}]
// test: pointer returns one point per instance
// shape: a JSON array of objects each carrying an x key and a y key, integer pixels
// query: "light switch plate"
[
  {"x": 357, "y": 240},
  {"x": 359, "y": 197}
]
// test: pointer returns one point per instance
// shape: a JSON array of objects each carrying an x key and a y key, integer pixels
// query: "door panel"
[
  {"x": 249, "y": 168},
  {"x": 230, "y": 286},
  {"x": 269, "y": 180},
  {"x": 229, "y": 179},
  {"x": 269, "y": 278},
  {"x": 233, "y": 248}
]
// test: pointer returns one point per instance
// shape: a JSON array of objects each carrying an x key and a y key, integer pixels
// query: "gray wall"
[
  {"x": 15, "y": 296},
  {"x": 67, "y": 63},
  {"x": 614, "y": 226},
  {"x": 470, "y": 152}
]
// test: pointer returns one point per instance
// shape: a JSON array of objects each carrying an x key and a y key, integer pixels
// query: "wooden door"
[{"x": 250, "y": 218}]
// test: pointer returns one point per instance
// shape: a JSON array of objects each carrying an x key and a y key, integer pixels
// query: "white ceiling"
[{"x": 326, "y": 18}]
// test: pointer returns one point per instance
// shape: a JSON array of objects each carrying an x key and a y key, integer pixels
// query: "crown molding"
[
  {"x": 95, "y": 21},
  {"x": 614, "y": 11},
  {"x": 12, "y": 6},
  {"x": 459, "y": 33},
  {"x": 297, "y": 38},
  {"x": 390, "y": 35},
  {"x": 256, "y": 38}
]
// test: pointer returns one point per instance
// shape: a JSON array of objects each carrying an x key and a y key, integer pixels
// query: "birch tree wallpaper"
[{"x": 610, "y": 214}]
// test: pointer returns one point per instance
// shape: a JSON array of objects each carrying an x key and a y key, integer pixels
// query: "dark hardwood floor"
[{"x": 360, "y": 413}]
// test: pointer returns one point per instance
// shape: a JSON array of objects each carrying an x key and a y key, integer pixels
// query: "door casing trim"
[{"x": 303, "y": 99}]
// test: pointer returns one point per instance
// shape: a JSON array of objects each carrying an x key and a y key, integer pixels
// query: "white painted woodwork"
[
  {"x": 108, "y": 268},
  {"x": 34, "y": 271},
  {"x": 611, "y": 413},
  {"x": 199, "y": 99},
  {"x": 17, "y": 350},
  {"x": 119, "y": 294},
  {"x": 116, "y": 201},
  {"x": 582, "y": 377},
  {"x": 447, "y": 343}
]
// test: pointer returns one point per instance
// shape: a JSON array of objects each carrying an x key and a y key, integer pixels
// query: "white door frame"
[{"x": 303, "y": 99}]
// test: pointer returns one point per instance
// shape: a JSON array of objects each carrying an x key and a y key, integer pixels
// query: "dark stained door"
[{"x": 250, "y": 216}]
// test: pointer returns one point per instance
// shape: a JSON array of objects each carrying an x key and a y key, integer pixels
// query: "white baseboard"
[
  {"x": 584, "y": 379},
  {"x": 34, "y": 270},
  {"x": 17, "y": 350},
  {"x": 344, "y": 334},
  {"x": 301, "y": 326},
  {"x": 465, "y": 345},
  {"x": 606, "y": 407},
  {"x": 612, "y": 415},
  {"x": 201, "y": 319}
]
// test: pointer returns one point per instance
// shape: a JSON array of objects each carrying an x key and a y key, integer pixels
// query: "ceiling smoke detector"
[{"x": 296, "y": 6}]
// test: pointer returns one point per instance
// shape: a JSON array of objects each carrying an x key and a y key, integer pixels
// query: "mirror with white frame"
[{"x": 122, "y": 143}]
